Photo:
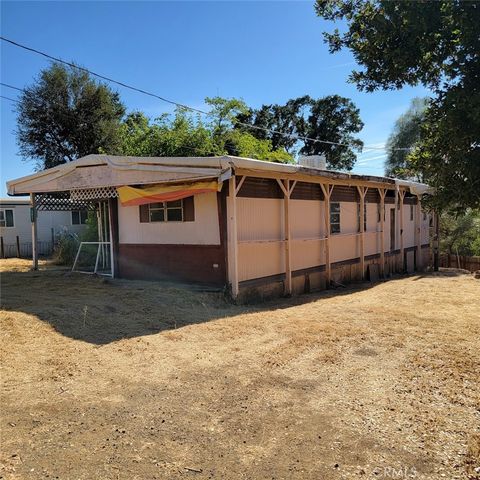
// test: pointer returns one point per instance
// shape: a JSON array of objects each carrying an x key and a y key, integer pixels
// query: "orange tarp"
[{"x": 164, "y": 193}]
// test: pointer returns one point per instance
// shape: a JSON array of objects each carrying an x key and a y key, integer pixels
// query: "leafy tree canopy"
[
  {"x": 66, "y": 115},
  {"x": 331, "y": 118},
  {"x": 460, "y": 233},
  {"x": 435, "y": 44},
  {"x": 405, "y": 134},
  {"x": 184, "y": 134}
]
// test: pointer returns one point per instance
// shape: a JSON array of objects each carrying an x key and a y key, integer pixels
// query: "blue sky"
[{"x": 263, "y": 52}]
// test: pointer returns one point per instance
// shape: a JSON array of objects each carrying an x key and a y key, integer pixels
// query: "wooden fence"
[{"x": 460, "y": 261}]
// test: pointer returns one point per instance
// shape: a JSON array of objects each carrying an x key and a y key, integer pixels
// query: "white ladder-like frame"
[{"x": 96, "y": 260}]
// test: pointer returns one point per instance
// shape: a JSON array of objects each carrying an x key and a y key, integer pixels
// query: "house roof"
[
  {"x": 5, "y": 202},
  {"x": 97, "y": 171}
]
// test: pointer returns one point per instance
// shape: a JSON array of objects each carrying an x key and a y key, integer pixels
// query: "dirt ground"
[{"x": 137, "y": 380}]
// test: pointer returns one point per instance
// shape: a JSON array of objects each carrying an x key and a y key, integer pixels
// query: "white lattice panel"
[{"x": 101, "y": 193}]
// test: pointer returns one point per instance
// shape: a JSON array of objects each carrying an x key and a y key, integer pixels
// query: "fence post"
[
  {"x": 53, "y": 239},
  {"x": 18, "y": 246},
  {"x": 2, "y": 248}
]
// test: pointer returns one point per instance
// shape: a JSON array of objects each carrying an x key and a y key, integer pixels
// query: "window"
[
  {"x": 176, "y": 211},
  {"x": 166, "y": 211},
  {"x": 79, "y": 217},
  {"x": 6, "y": 218},
  {"x": 411, "y": 213},
  {"x": 335, "y": 217},
  {"x": 364, "y": 216}
]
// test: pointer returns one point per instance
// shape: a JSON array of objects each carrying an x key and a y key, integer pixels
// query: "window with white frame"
[
  {"x": 79, "y": 217},
  {"x": 335, "y": 217},
  {"x": 6, "y": 218},
  {"x": 166, "y": 211}
]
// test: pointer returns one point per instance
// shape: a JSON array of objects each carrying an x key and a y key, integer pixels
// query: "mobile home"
[
  {"x": 16, "y": 229},
  {"x": 245, "y": 224}
]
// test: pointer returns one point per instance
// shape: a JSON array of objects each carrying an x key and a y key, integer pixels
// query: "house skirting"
[
  {"x": 347, "y": 271},
  {"x": 188, "y": 263}
]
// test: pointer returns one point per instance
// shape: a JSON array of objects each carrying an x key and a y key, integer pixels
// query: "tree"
[
  {"x": 332, "y": 118},
  {"x": 66, "y": 115},
  {"x": 460, "y": 233},
  {"x": 435, "y": 44},
  {"x": 185, "y": 134},
  {"x": 404, "y": 137}
]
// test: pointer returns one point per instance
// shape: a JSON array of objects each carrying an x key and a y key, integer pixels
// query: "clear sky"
[{"x": 263, "y": 52}]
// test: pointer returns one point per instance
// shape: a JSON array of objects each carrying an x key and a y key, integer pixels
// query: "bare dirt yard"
[{"x": 137, "y": 380}]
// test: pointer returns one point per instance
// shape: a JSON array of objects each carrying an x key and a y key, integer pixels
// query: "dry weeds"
[{"x": 138, "y": 380}]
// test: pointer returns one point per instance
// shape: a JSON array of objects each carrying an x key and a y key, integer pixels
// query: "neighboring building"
[
  {"x": 16, "y": 227},
  {"x": 240, "y": 222}
]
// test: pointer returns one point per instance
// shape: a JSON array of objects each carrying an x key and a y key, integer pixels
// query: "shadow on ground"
[{"x": 100, "y": 311}]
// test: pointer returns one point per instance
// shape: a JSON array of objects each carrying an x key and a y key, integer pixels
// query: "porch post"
[
  {"x": 327, "y": 191},
  {"x": 233, "y": 237},
  {"x": 33, "y": 215},
  {"x": 287, "y": 189},
  {"x": 113, "y": 234},
  {"x": 362, "y": 191},
  {"x": 436, "y": 240},
  {"x": 418, "y": 230},
  {"x": 402, "y": 247},
  {"x": 382, "y": 192}
]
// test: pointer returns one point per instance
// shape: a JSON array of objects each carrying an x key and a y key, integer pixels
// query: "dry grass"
[{"x": 117, "y": 379}]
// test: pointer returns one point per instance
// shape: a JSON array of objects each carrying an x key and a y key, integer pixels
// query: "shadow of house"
[{"x": 99, "y": 311}]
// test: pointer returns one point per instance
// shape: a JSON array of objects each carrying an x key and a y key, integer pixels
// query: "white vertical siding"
[{"x": 46, "y": 221}]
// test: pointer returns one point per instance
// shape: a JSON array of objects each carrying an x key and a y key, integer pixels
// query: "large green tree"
[
  {"x": 185, "y": 134},
  {"x": 332, "y": 118},
  {"x": 460, "y": 233},
  {"x": 403, "y": 139},
  {"x": 65, "y": 115},
  {"x": 434, "y": 43}
]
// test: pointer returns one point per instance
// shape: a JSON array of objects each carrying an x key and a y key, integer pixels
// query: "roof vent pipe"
[{"x": 313, "y": 161}]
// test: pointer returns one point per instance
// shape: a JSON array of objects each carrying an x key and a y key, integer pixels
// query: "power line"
[
  {"x": 71, "y": 115},
  {"x": 177, "y": 104},
  {"x": 11, "y": 86},
  {"x": 10, "y": 99}
]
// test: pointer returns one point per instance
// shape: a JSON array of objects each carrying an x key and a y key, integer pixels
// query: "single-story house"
[
  {"x": 242, "y": 223},
  {"x": 16, "y": 227}
]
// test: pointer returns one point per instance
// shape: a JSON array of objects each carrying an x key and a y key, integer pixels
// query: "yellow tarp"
[{"x": 164, "y": 193}]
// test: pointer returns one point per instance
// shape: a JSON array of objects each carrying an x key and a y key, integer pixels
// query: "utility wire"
[
  {"x": 10, "y": 99},
  {"x": 71, "y": 115},
  {"x": 11, "y": 86},
  {"x": 177, "y": 104}
]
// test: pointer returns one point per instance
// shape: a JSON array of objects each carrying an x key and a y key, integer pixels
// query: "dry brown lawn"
[{"x": 138, "y": 380}]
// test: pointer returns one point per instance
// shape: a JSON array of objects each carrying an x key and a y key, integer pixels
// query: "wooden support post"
[
  {"x": 232, "y": 235},
  {"x": 418, "y": 231},
  {"x": 18, "y": 246},
  {"x": 362, "y": 191},
  {"x": 287, "y": 189},
  {"x": 401, "y": 194},
  {"x": 2, "y": 248},
  {"x": 327, "y": 192},
  {"x": 436, "y": 241},
  {"x": 33, "y": 205},
  {"x": 382, "y": 192},
  {"x": 113, "y": 236}
]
